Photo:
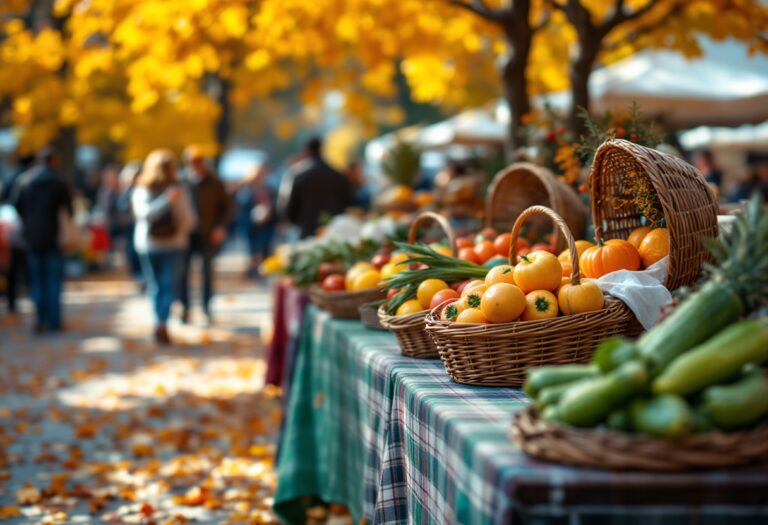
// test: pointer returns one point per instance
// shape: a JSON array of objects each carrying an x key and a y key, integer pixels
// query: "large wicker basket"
[
  {"x": 524, "y": 184},
  {"x": 500, "y": 354},
  {"x": 343, "y": 305},
  {"x": 410, "y": 330},
  {"x": 689, "y": 208},
  {"x": 613, "y": 450}
]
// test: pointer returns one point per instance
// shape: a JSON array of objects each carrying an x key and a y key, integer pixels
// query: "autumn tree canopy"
[{"x": 131, "y": 75}]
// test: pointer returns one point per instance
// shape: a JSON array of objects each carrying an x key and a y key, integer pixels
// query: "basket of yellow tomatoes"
[
  {"x": 524, "y": 314},
  {"x": 658, "y": 203},
  {"x": 404, "y": 315},
  {"x": 343, "y": 295}
]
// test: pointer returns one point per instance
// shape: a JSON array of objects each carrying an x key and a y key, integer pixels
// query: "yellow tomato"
[
  {"x": 637, "y": 236},
  {"x": 356, "y": 269},
  {"x": 503, "y": 303},
  {"x": 452, "y": 310},
  {"x": 540, "y": 304},
  {"x": 500, "y": 274},
  {"x": 472, "y": 315},
  {"x": 655, "y": 246},
  {"x": 474, "y": 297},
  {"x": 427, "y": 289},
  {"x": 390, "y": 270},
  {"x": 441, "y": 249},
  {"x": 366, "y": 280},
  {"x": 538, "y": 270},
  {"x": 565, "y": 255},
  {"x": 470, "y": 285},
  {"x": 409, "y": 307}
]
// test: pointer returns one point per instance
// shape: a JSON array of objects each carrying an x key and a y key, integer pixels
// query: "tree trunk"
[
  {"x": 581, "y": 69},
  {"x": 516, "y": 95},
  {"x": 219, "y": 89},
  {"x": 66, "y": 147}
]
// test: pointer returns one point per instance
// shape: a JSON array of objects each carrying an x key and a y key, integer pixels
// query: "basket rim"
[
  {"x": 402, "y": 321},
  {"x": 318, "y": 290}
]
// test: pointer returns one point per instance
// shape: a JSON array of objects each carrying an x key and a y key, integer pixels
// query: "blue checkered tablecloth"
[{"x": 396, "y": 441}]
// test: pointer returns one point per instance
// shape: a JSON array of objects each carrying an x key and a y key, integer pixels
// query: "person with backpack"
[{"x": 164, "y": 220}]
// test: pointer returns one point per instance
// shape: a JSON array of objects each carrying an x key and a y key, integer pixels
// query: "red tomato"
[
  {"x": 380, "y": 259},
  {"x": 327, "y": 268},
  {"x": 459, "y": 286},
  {"x": 442, "y": 296},
  {"x": 464, "y": 242},
  {"x": 543, "y": 246},
  {"x": 521, "y": 243},
  {"x": 489, "y": 233},
  {"x": 334, "y": 283},
  {"x": 501, "y": 244},
  {"x": 484, "y": 250},
  {"x": 392, "y": 292},
  {"x": 468, "y": 254}
]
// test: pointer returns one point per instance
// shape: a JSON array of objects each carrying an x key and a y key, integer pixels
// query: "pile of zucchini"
[{"x": 699, "y": 370}]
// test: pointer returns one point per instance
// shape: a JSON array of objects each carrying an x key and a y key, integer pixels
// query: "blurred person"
[
  {"x": 127, "y": 183},
  {"x": 164, "y": 219},
  {"x": 354, "y": 173},
  {"x": 257, "y": 215},
  {"x": 757, "y": 181},
  {"x": 214, "y": 210},
  {"x": 17, "y": 264},
  {"x": 317, "y": 189},
  {"x": 40, "y": 197},
  {"x": 107, "y": 197},
  {"x": 705, "y": 163}
]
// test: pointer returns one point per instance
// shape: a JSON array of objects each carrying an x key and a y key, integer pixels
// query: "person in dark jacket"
[
  {"x": 214, "y": 213},
  {"x": 317, "y": 190},
  {"x": 18, "y": 261},
  {"x": 39, "y": 199}
]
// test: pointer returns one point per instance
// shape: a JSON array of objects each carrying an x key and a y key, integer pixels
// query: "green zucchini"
[
  {"x": 738, "y": 405},
  {"x": 552, "y": 394},
  {"x": 698, "y": 318},
  {"x": 614, "y": 352},
  {"x": 592, "y": 400},
  {"x": 715, "y": 361},
  {"x": 618, "y": 420},
  {"x": 701, "y": 423},
  {"x": 667, "y": 416},
  {"x": 547, "y": 376}
]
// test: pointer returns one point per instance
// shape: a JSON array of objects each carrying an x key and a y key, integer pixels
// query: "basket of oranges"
[
  {"x": 343, "y": 295},
  {"x": 654, "y": 201},
  {"x": 525, "y": 314},
  {"x": 405, "y": 317}
]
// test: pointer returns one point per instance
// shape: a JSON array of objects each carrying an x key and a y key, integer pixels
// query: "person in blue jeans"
[
  {"x": 164, "y": 219},
  {"x": 39, "y": 198}
]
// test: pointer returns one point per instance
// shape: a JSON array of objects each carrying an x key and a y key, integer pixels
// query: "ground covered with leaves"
[{"x": 99, "y": 425}]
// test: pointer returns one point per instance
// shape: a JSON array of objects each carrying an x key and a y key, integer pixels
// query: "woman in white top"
[{"x": 164, "y": 219}]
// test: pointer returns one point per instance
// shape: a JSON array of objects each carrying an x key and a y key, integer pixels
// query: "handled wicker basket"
[
  {"x": 524, "y": 184},
  {"x": 618, "y": 451},
  {"x": 369, "y": 315},
  {"x": 343, "y": 305},
  {"x": 500, "y": 354},
  {"x": 410, "y": 330},
  {"x": 689, "y": 208}
]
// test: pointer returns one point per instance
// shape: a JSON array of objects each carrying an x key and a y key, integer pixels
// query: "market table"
[
  {"x": 288, "y": 305},
  {"x": 396, "y": 441}
]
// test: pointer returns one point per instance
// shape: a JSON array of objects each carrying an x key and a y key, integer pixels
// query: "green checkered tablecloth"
[{"x": 396, "y": 441}]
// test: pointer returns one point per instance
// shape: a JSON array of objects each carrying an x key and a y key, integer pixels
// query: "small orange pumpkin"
[
  {"x": 654, "y": 247},
  {"x": 609, "y": 256},
  {"x": 579, "y": 298},
  {"x": 637, "y": 236}
]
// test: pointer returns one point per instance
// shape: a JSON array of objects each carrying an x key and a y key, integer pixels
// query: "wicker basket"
[
  {"x": 524, "y": 184},
  {"x": 410, "y": 330},
  {"x": 500, "y": 354},
  {"x": 343, "y": 305},
  {"x": 369, "y": 315},
  {"x": 613, "y": 450},
  {"x": 689, "y": 207}
]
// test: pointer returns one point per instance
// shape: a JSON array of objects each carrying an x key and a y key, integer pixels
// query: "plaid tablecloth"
[
  {"x": 289, "y": 303},
  {"x": 396, "y": 441}
]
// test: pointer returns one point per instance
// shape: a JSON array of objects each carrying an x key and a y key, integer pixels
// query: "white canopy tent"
[
  {"x": 745, "y": 137},
  {"x": 474, "y": 127}
]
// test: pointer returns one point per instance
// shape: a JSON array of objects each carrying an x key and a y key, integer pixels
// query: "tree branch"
[
  {"x": 541, "y": 23},
  {"x": 620, "y": 16},
  {"x": 643, "y": 30},
  {"x": 480, "y": 8}
]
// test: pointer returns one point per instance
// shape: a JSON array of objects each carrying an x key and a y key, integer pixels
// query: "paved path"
[{"x": 97, "y": 425}]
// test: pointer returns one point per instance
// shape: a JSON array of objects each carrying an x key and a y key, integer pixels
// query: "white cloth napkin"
[{"x": 642, "y": 291}]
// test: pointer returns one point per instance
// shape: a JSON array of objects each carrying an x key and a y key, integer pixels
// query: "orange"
[
  {"x": 427, "y": 289},
  {"x": 501, "y": 244},
  {"x": 655, "y": 246},
  {"x": 503, "y": 273},
  {"x": 502, "y": 303},
  {"x": 484, "y": 250},
  {"x": 540, "y": 304},
  {"x": 539, "y": 270},
  {"x": 411, "y": 306},
  {"x": 366, "y": 280},
  {"x": 471, "y": 315},
  {"x": 442, "y": 250},
  {"x": 452, "y": 310},
  {"x": 637, "y": 236},
  {"x": 468, "y": 254}
]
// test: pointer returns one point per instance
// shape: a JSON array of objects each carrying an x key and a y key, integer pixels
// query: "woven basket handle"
[
  {"x": 439, "y": 219},
  {"x": 560, "y": 223}
]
